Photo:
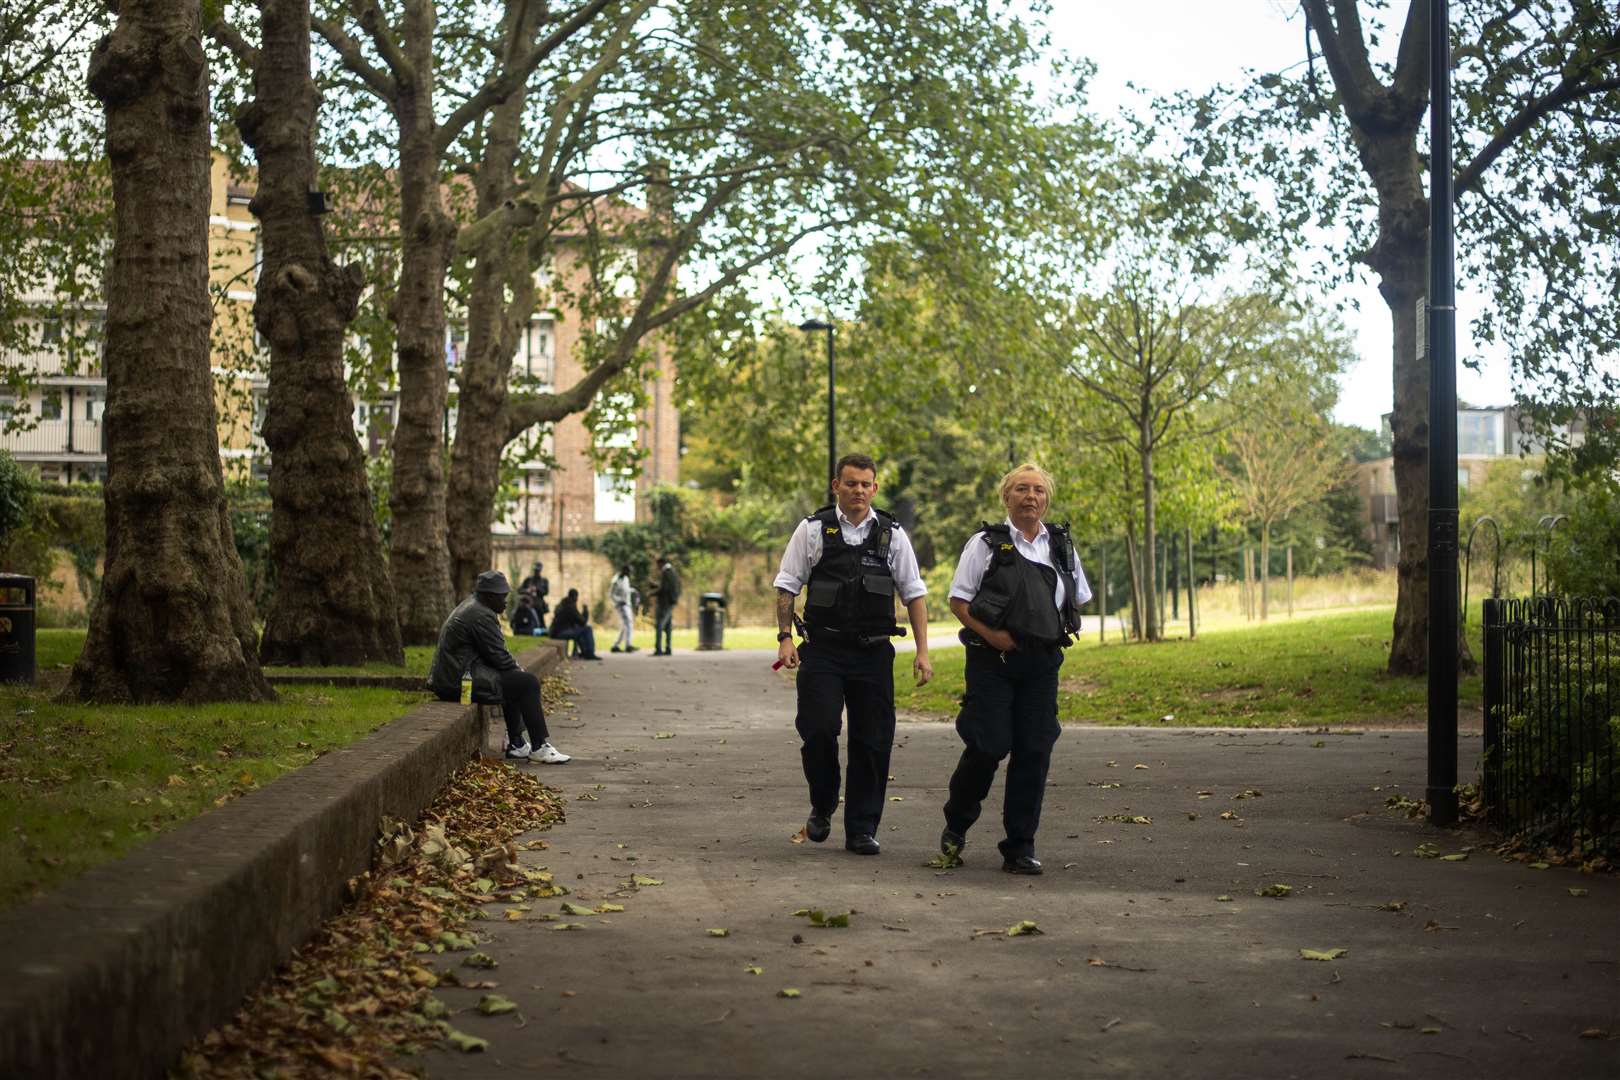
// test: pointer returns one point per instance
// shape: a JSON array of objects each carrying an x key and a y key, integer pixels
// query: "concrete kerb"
[{"x": 113, "y": 973}]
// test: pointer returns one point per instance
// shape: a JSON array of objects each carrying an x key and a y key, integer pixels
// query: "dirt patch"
[
  {"x": 1235, "y": 693},
  {"x": 1079, "y": 684}
]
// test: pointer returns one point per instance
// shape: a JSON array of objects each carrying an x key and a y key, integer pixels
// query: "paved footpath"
[{"x": 1489, "y": 969}]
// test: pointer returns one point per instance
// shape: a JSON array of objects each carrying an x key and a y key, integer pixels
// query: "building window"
[
  {"x": 1477, "y": 433},
  {"x": 94, "y": 406},
  {"x": 50, "y": 405},
  {"x": 615, "y": 497},
  {"x": 50, "y": 330}
]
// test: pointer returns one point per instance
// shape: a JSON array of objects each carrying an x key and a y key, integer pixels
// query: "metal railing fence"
[{"x": 1552, "y": 733}]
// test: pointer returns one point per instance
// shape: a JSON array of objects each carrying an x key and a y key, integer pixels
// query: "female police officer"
[{"x": 1017, "y": 593}]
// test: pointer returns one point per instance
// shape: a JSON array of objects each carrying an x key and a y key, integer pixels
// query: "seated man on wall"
[
  {"x": 471, "y": 645},
  {"x": 572, "y": 622}
]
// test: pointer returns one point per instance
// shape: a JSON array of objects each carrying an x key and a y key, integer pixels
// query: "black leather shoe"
[
  {"x": 864, "y": 844},
  {"x": 817, "y": 827},
  {"x": 1023, "y": 864}
]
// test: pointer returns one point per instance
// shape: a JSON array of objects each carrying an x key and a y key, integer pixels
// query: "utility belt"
[
  {"x": 973, "y": 640},
  {"x": 850, "y": 639}
]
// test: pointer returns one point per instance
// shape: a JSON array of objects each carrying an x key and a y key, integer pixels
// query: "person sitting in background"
[
  {"x": 471, "y": 643},
  {"x": 572, "y": 622},
  {"x": 525, "y": 619}
]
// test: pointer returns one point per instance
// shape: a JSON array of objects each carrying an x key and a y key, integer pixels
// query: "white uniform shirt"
[
  {"x": 804, "y": 551},
  {"x": 975, "y": 561},
  {"x": 619, "y": 591}
]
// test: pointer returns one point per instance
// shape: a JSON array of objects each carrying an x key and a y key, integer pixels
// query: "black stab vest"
[
  {"x": 1016, "y": 593},
  {"x": 851, "y": 589}
]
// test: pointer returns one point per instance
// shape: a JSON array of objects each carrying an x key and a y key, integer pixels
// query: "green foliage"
[
  {"x": 249, "y": 505},
  {"x": 1583, "y": 554},
  {"x": 16, "y": 496}
]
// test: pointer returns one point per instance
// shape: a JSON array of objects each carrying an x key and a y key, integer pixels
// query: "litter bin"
[
  {"x": 16, "y": 628},
  {"x": 711, "y": 621}
]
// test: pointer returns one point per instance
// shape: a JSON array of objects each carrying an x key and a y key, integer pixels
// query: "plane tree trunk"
[{"x": 172, "y": 621}]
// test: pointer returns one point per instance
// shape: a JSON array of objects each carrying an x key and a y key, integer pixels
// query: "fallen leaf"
[
  {"x": 495, "y": 1005},
  {"x": 752, "y": 970},
  {"x": 1577, "y": 892},
  {"x": 644, "y": 880},
  {"x": 608, "y": 909},
  {"x": 1393, "y": 905},
  {"x": 787, "y": 992},
  {"x": 1229, "y": 815},
  {"x": 897, "y": 798},
  {"x": 1138, "y": 766},
  {"x": 1278, "y": 891},
  {"x": 480, "y": 960},
  {"x": 467, "y": 1044},
  {"x": 718, "y": 931},
  {"x": 1594, "y": 1033},
  {"x": 1223, "y": 899},
  {"x": 822, "y": 919},
  {"x": 570, "y": 908},
  {"x": 1023, "y": 928},
  {"x": 1322, "y": 954},
  {"x": 1460, "y": 857},
  {"x": 569, "y": 926},
  {"x": 664, "y": 735}
]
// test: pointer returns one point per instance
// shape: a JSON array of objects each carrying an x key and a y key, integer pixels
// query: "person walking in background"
[
  {"x": 471, "y": 642},
  {"x": 669, "y": 591},
  {"x": 850, "y": 559},
  {"x": 622, "y": 596},
  {"x": 1017, "y": 592},
  {"x": 572, "y": 622}
]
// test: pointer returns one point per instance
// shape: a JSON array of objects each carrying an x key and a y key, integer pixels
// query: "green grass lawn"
[
  {"x": 80, "y": 785},
  {"x": 60, "y": 648},
  {"x": 1327, "y": 670}
]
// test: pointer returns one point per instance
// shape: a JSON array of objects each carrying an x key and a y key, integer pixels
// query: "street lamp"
[
  {"x": 811, "y": 326},
  {"x": 1437, "y": 338}
]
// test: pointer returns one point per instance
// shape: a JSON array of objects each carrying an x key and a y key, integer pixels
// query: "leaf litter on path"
[{"x": 360, "y": 994}]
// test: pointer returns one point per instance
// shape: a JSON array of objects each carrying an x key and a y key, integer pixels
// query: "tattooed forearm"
[{"x": 784, "y": 610}]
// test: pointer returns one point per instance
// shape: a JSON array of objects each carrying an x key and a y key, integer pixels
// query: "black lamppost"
[
  {"x": 1440, "y": 342},
  {"x": 810, "y": 326}
]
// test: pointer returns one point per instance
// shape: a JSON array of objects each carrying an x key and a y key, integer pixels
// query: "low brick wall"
[{"x": 114, "y": 972}]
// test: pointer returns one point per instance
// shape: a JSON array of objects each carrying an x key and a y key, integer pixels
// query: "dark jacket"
[
  {"x": 470, "y": 640},
  {"x": 525, "y": 620},
  {"x": 566, "y": 617},
  {"x": 669, "y": 587}
]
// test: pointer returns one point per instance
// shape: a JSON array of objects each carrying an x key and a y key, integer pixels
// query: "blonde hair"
[{"x": 1020, "y": 470}]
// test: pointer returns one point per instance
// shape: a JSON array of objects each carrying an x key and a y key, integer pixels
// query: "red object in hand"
[{"x": 778, "y": 665}]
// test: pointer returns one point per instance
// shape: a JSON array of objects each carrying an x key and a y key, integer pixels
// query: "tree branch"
[
  {"x": 348, "y": 50},
  {"x": 233, "y": 42}
]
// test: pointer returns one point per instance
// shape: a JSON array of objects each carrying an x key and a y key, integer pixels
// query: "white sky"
[{"x": 1167, "y": 45}]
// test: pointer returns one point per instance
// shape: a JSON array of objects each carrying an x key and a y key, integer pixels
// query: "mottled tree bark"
[
  {"x": 418, "y": 553},
  {"x": 1384, "y": 121},
  {"x": 172, "y": 621},
  {"x": 334, "y": 601},
  {"x": 494, "y": 326}
]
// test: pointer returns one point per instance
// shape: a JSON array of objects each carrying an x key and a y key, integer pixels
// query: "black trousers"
[
  {"x": 1010, "y": 708},
  {"x": 833, "y": 679},
  {"x": 520, "y": 701}
]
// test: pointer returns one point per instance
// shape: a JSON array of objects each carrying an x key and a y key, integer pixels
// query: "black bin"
[
  {"x": 711, "y": 622},
  {"x": 16, "y": 628}
]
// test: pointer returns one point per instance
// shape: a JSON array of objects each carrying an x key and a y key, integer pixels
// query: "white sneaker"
[
  {"x": 518, "y": 752},
  {"x": 546, "y": 754}
]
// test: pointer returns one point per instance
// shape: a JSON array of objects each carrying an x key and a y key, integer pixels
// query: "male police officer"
[{"x": 854, "y": 558}]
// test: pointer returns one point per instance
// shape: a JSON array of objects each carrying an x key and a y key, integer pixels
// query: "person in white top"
[
  {"x": 622, "y": 595},
  {"x": 850, "y": 559},
  {"x": 1017, "y": 592}
]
